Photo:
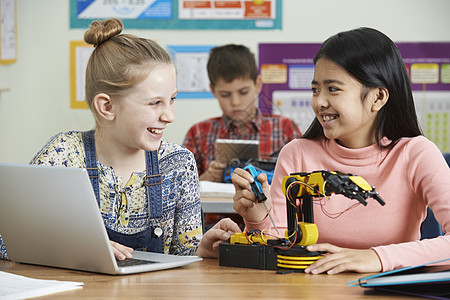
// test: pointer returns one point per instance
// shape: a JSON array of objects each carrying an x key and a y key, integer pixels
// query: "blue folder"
[{"x": 427, "y": 280}]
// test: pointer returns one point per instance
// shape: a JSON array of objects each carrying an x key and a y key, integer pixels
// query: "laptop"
[
  {"x": 49, "y": 216},
  {"x": 229, "y": 149}
]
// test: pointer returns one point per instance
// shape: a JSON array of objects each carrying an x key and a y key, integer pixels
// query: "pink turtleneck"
[{"x": 409, "y": 177}]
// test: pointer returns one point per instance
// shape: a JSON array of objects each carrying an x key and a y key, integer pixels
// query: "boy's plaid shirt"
[{"x": 272, "y": 131}]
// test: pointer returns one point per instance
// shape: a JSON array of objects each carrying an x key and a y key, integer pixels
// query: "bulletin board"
[
  {"x": 428, "y": 66},
  {"x": 288, "y": 69},
  {"x": 8, "y": 32},
  {"x": 79, "y": 56},
  {"x": 181, "y": 14}
]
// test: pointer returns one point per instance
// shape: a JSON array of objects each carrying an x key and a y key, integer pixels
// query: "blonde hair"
[{"x": 119, "y": 61}]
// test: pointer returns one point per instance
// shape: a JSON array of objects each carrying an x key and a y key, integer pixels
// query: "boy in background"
[{"x": 235, "y": 82}]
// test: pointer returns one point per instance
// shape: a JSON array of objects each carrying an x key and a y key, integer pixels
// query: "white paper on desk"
[
  {"x": 216, "y": 189},
  {"x": 14, "y": 286}
]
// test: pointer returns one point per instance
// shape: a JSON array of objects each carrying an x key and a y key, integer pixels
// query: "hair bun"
[{"x": 101, "y": 31}]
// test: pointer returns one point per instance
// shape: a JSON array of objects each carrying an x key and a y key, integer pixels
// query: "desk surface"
[{"x": 205, "y": 279}]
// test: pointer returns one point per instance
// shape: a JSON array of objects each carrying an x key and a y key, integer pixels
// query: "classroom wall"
[{"x": 37, "y": 104}]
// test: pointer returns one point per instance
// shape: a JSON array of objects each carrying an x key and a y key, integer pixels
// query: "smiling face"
[
  {"x": 338, "y": 105},
  {"x": 144, "y": 112},
  {"x": 237, "y": 98}
]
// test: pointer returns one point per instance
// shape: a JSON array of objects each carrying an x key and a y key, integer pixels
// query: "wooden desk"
[{"x": 204, "y": 280}]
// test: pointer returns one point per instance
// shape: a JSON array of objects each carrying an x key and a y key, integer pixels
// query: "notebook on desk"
[{"x": 49, "y": 216}]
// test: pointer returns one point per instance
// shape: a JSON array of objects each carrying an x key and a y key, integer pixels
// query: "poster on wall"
[
  {"x": 79, "y": 57},
  {"x": 192, "y": 75},
  {"x": 288, "y": 69},
  {"x": 180, "y": 14},
  {"x": 8, "y": 32}
]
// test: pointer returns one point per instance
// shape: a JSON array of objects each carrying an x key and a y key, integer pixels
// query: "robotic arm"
[
  {"x": 325, "y": 183},
  {"x": 304, "y": 186},
  {"x": 257, "y": 250}
]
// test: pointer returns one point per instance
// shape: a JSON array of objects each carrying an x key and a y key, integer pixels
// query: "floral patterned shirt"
[{"x": 181, "y": 219}]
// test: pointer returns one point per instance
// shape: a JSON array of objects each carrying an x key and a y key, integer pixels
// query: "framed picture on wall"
[
  {"x": 8, "y": 32},
  {"x": 192, "y": 76},
  {"x": 79, "y": 56}
]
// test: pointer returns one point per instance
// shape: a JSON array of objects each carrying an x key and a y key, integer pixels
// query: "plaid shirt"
[{"x": 272, "y": 131}]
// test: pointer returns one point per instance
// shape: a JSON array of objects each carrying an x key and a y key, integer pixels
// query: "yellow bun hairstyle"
[{"x": 101, "y": 31}]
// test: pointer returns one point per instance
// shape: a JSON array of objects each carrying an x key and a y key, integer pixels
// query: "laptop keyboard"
[{"x": 133, "y": 262}]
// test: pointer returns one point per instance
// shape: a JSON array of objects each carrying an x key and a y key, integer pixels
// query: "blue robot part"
[{"x": 229, "y": 171}]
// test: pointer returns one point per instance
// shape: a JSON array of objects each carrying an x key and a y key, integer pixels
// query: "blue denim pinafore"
[{"x": 151, "y": 239}]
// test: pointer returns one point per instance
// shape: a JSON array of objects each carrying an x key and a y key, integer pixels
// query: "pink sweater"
[{"x": 409, "y": 177}]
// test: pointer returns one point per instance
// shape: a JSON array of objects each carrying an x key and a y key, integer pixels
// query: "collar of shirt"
[{"x": 253, "y": 125}]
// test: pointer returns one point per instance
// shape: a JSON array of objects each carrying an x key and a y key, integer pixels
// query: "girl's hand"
[
  {"x": 121, "y": 252},
  {"x": 343, "y": 260},
  {"x": 245, "y": 202},
  {"x": 209, "y": 246}
]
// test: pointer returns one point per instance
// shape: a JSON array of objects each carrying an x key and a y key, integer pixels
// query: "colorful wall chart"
[{"x": 180, "y": 14}]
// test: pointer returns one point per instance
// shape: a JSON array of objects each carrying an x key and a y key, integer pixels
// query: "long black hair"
[{"x": 375, "y": 61}]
